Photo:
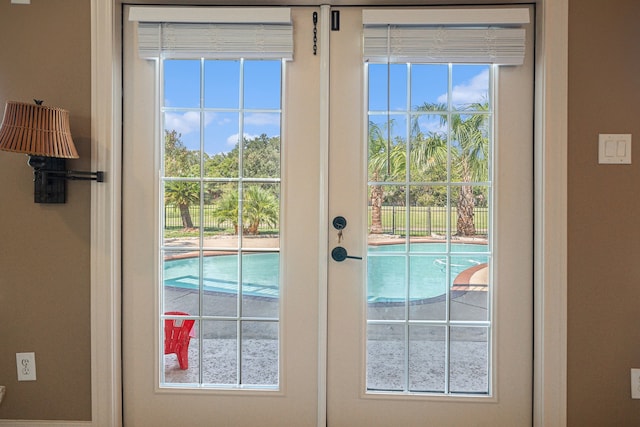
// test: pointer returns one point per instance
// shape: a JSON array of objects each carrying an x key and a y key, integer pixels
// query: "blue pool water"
[{"x": 387, "y": 273}]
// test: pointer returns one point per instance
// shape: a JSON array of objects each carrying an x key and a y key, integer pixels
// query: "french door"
[
  {"x": 342, "y": 350},
  {"x": 462, "y": 355}
]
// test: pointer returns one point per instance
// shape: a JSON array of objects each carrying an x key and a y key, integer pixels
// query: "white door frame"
[{"x": 550, "y": 269}]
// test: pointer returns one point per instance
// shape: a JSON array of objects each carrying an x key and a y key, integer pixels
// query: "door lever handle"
[{"x": 339, "y": 254}]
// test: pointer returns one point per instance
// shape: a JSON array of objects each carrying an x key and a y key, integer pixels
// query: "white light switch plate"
[
  {"x": 614, "y": 148},
  {"x": 635, "y": 383}
]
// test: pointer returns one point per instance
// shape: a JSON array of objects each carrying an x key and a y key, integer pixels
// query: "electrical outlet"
[
  {"x": 635, "y": 383},
  {"x": 26, "y": 364}
]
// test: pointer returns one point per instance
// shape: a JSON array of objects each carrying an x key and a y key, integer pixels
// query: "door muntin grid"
[
  {"x": 220, "y": 209},
  {"x": 429, "y": 323}
]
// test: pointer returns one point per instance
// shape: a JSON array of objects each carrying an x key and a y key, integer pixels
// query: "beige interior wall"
[
  {"x": 44, "y": 249},
  {"x": 45, "y": 53},
  {"x": 604, "y": 214}
]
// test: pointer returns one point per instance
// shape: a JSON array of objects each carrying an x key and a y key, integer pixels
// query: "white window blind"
[
  {"x": 221, "y": 33},
  {"x": 492, "y": 36}
]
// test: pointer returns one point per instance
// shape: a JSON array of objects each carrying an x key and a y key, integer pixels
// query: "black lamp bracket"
[
  {"x": 74, "y": 175},
  {"x": 50, "y": 178}
]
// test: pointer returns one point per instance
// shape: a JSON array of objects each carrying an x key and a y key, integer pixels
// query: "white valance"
[
  {"x": 221, "y": 33},
  {"x": 492, "y": 36}
]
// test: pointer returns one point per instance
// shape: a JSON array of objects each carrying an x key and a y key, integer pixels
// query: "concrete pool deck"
[
  {"x": 469, "y": 349},
  {"x": 468, "y": 301}
]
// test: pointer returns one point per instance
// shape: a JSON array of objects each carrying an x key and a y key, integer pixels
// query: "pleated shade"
[{"x": 37, "y": 130}]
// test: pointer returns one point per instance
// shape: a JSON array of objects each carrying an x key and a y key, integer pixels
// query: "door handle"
[{"x": 339, "y": 254}]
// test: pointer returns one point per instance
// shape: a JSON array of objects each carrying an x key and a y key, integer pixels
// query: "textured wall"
[
  {"x": 44, "y": 250},
  {"x": 45, "y": 53},
  {"x": 603, "y": 217}
]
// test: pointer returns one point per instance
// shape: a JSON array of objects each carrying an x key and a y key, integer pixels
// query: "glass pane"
[
  {"x": 181, "y": 350},
  {"x": 428, "y": 215},
  {"x": 429, "y": 87},
  {"x": 260, "y": 284},
  {"x": 261, "y": 154},
  {"x": 385, "y": 357},
  {"x": 470, "y": 216},
  {"x": 181, "y": 213},
  {"x": 429, "y": 149},
  {"x": 220, "y": 283},
  {"x": 261, "y": 216},
  {"x": 181, "y": 83},
  {"x": 220, "y": 215},
  {"x": 220, "y": 352},
  {"x": 264, "y": 127},
  {"x": 469, "y": 367},
  {"x": 386, "y": 285},
  {"x": 221, "y": 84},
  {"x": 470, "y": 147},
  {"x": 260, "y": 353},
  {"x": 260, "y": 210},
  {"x": 427, "y": 355},
  {"x": 428, "y": 286},
  {"x": 181, "y": 282},
  {"x": 398, "y": 87},
  {"x": 469, "y": 288},
  {"x": 182, "y": 144},
  {"x": 221, "y": 145},
  {"x": 379, "y": 75},
  {"x": 262, "y": 83},
  {"x": 470, "y": 85},
  {"x": 387, "y": 211},
  {"x": 377, "y": 79},
  {"x": 387, "y": 147}
]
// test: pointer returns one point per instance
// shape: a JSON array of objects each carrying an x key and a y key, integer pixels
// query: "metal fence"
[
  {"x": 172, "y": 218},
  {"x": 424, "y": 220},
  {"x": 427, "y": 220}
]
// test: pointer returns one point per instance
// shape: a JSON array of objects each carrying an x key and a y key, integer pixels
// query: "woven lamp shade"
[{"x": 37, "y": 130}]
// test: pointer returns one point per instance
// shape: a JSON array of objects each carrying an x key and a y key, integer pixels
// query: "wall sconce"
[{"x": 43, "y": 133}]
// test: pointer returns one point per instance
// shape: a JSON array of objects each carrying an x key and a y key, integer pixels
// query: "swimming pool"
[{"x": 387, "y": 271}]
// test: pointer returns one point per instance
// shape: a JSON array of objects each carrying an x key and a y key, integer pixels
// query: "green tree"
[{"x": 261, "y": 157}]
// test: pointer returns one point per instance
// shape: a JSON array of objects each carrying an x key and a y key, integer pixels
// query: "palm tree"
[
  {"x": 182, "y": 194},
  {"x": 387, "y": 162},
  {"x": 259, "y": 206},
  {"x": 226, "y": 208},
  {"x": 469, "y": 156},
  {"x": 180, "y": 162}
]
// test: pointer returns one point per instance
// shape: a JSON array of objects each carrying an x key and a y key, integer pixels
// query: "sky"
[{"x": 222, "y": 93}]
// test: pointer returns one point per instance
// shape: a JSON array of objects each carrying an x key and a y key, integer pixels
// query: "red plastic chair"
[{"x": 177, "y": 334}]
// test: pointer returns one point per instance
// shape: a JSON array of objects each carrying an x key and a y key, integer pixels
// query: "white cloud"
[
  {"x": 432, "y": 124},
  {"x": 261, "y": 119},
  {"x": 186, "y": 123},
  {"x": 232, "y": 140},
  {"x": 474, "y": 90}
]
